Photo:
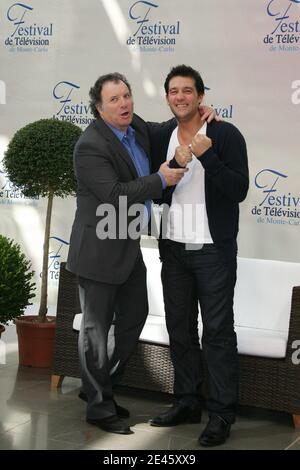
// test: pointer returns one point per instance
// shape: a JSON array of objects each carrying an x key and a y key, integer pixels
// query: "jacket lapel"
[
  {"x": 117, "y": 148},
  {"x": 141, "y": 135}
]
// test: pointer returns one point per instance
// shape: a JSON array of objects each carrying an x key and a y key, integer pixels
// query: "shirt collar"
[{"x": 121, "y": 134}]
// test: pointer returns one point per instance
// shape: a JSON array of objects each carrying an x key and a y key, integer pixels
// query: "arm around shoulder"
[{"x": 226, "y": 162}]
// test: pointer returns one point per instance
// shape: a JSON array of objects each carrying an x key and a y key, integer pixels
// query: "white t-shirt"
[{"x": 187, "y": 219}]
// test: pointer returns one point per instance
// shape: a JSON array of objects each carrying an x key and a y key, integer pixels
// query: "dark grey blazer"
[{"x": 105, "y": 171}]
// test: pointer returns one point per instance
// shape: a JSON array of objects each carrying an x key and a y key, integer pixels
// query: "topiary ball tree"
[
  {"x": 39, "y": 161},
  {"x": 16, "y": 286}
]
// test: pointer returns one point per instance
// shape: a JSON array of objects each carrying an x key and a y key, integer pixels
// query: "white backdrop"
[{"x": 246, "y": 51}]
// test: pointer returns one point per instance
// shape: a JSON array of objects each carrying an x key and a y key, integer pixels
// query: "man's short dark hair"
[
  {"x": 185, "y": 71},
  {"x": 95, "y": 91}
]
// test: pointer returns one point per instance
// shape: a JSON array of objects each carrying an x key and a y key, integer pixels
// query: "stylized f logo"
[
  {"x": 6, "y": 182},
  {"x": 279, "y": 16},
  {"x": 62, "y": 91},
  {"x": 4, "y": 185},
  {"x": 54, "y": 255},
  {"x": 2, "y": 173},
  {"x": 140, "y": 7},
  {"x": 268, "y": 187},
  {"x": 16, "y": 13}
]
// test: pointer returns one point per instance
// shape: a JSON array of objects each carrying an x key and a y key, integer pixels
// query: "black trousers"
[
  {"x": 207, "y": 275},
  {"x": 104, "y": 347}
]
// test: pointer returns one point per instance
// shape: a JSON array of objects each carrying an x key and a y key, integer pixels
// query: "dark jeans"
[{"x": 207, "y": 275}]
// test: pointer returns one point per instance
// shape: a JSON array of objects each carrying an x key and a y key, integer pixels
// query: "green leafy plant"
[
  {"x": 39, "y": 162},
  {"x": 16, "y": 286}
]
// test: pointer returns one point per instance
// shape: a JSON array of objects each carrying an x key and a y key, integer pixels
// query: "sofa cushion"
[
  {"x": 251, "y": 341},
  {"x": 263, "y": 293},
  {"x": 262, "y": 305},
  {"x": 77, "y": 321},
  {"x": 260, "y": 342}
]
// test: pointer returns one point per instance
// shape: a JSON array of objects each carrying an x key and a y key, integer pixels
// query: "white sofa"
[{"x": 262, "y": 305}]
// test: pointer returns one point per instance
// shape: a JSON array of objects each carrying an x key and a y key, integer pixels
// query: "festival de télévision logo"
[
  {"x": 58, "y": 251},
  {"x": 27, "y": 33},
  {"x": 9, "y": 194},
  {"x": 151, "y": 33},
  {"x": 69, "y": 107},
  {"x": 224, "y": 111},
  {"x": 284, "y": 25},
  {"x": 276, "y": 205}
]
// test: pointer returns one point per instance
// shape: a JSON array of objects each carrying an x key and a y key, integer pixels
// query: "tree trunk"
[{"x": 44, "y": 287}]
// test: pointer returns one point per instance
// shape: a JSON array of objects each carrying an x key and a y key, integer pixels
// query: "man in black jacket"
[
  {"x": 111, "y": 161},
  {"x": 198, "y": 252}
]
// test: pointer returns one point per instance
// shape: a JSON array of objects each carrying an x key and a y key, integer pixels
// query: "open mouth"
[{"x": 125, "y": 114}]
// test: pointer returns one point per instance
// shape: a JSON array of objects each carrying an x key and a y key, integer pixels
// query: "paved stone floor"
[{"x": 35, "y": 417}]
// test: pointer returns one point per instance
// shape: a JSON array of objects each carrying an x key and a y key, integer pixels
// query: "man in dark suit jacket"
[
  {"x": 198, "y": 251},
  {"x": 111, "y": 161}
]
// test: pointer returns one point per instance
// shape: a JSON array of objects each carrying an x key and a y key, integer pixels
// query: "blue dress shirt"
[{"x": 139, "y": 159}]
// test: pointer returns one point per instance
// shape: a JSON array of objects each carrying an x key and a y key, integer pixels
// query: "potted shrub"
[
  {"x": 39, "y": 161},
  {"x": 16, "y": 285}
]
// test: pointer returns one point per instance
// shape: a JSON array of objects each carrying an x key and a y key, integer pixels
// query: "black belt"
[{"x": 189, "y": 246}]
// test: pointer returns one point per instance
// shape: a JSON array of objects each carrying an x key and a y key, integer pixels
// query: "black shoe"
[
  {"x": 121, "y": 412},
  {"x": 215, "y": 433},
  {"x": 82, "y": 396},
  {"x": 178, "y": 414},
  {"x": 111, "y": 424}
]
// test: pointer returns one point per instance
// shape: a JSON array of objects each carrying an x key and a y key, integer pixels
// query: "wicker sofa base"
[
  {"x": 264, "y": 382},
  {"x": 151, "y": 368}
]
